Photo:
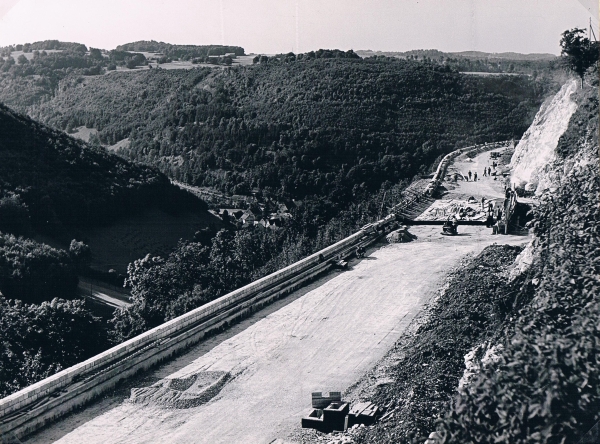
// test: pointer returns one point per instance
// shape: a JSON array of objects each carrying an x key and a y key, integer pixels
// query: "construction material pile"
[
  {"x": 400, "y": 235},
  {"x": 181, "y": 393}
]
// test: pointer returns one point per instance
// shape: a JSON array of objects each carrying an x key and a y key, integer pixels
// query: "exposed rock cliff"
[{"x": 537, "y": 148}]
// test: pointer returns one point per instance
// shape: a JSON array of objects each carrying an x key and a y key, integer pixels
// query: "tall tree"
[{"x": 578, "y": 52}]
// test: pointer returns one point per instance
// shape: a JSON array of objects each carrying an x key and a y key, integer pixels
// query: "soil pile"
[{"x": 181, "y": 393}]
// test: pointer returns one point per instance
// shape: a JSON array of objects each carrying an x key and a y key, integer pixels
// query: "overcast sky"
[{"x": 274, "y": 26}]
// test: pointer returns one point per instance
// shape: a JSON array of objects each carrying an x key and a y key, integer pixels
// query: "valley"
[{"x": 188, "y": 253}]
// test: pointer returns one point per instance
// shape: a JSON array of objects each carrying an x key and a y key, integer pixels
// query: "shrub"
[{"x": 40, "y": 340}]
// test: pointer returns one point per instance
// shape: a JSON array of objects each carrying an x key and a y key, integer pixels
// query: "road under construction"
[{"x": 321, "y": 337}]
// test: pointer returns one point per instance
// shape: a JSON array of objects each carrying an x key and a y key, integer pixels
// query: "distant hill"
[
  {"x": 294, "y": 126},
  {"x": 51, "y": 183},
  {"x": 180, "y": 51},
  {"x": 504, "y": 55},
  {"x": 476, "y": 61},
  {"x": 434, "y": 53}
]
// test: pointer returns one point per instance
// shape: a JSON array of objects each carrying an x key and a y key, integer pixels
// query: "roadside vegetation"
[
  {"x": 40, "y": 340},
  {"x": 477, "y": 301},
  {"x": 55, "y": 186},
  {"x": 546, "y": 385},
  {"x": 534, "y": 339}
]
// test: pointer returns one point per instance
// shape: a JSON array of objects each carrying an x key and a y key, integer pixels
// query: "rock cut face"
[{"x": 537, "y": 148}]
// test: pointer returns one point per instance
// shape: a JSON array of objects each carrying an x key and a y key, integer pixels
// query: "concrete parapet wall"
[
  {"x": 440, "y": 172},
  {"x": 29, "y": 409}
]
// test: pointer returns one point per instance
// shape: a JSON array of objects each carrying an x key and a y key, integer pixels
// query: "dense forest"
[
  {"x": 51, "y": 183},
  {"x": 183, "y": 52},
  {"x": 328, "y": 133},
  {"x": 40, "y": 340},
  {"x": 293, "y": 128},
  {"x": 475, "y": 61}
]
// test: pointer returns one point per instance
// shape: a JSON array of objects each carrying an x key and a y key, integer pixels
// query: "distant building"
[
  {"x": 232, "y": 212},
  {"x": 231, "y": 54},
  {"x": 248, "y": 218}
]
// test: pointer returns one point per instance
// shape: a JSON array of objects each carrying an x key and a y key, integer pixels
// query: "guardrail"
[{"x": 440, "y": 172}]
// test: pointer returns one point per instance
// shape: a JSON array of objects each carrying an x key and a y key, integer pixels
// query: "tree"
[
  {"x": 96, "y": 54},
  {"x": 80, "y": 254},
  {"x": 578, "y": 52},
  {"x": 40, "y": 340},
  {"x": 22, "y": 60}
]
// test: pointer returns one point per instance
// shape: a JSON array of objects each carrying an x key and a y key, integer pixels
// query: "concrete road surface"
[{"x": 324, "y": 340}]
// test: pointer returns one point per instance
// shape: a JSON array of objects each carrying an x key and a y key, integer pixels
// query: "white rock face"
[{"x": 536, "y": 149}]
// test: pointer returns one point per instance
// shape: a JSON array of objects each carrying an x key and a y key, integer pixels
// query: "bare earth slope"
[{"x": 324, "y": 340}]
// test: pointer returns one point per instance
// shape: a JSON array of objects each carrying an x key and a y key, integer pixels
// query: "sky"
[{"x": 275, "y": 26}]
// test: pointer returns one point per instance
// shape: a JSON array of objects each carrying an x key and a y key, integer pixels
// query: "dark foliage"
[
  {"x": 29, "y": 81},
  {"x": 34, "y": 272},
  {"x": 546, "y": 386},
  {"x": 578, "y": 52},
  {"x": 53, "y": 181},
  {"x": 40, "y": 340},
  {"x": 279, "y": 126},
  {"x": 477, "y": 301},
  {"x": 183, "y": 52},
  {"x": 199, "y": 272},
  {"x": 535, "y": 65}
]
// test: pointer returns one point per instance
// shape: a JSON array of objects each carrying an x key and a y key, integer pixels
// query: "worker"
[
  {"x": 475, "y": 176},
  {"x": 469, "y": 175},
  {"x": 484, "y": 171},
  {"x": 489, "y": 171},
  {"x": 489, "y": 222},
  {"x": 483, "y": 204}
]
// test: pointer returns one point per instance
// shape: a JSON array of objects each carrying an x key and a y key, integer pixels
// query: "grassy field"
[{"x": 84, "y": 133}]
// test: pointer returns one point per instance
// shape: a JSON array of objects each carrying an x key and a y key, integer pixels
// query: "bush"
[
  {"x": 40, "y": 340},
  {"x": 34, "y": 272},
  {"x": 14, "y": 215}
]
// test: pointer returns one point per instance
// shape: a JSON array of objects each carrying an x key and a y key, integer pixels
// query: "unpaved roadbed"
[{"x": 324, "y": 340}]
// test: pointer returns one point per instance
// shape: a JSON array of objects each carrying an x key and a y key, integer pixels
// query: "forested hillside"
[
  {"x": 184, "y": 52},
  {"x": 54, "y": 185},
  {"x": 51, "y": 183},
  {"x": 525, "y": 335},
  {"x": 476, "y": 61},
  {"x": 295, "y": 128}
]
